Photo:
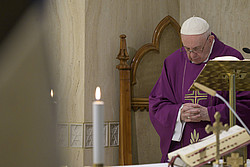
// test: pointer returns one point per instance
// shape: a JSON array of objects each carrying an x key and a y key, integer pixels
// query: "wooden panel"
[
  {"x": 167, "y": 32},
  {"x": 147, "y": 63},
  {"x": 125, "y": 153},
  {"x": 150, "y": 67},
  {"x": 146, "y": 68}
]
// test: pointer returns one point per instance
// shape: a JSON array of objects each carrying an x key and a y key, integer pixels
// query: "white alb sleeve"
[{"x": 179, "y": 126}]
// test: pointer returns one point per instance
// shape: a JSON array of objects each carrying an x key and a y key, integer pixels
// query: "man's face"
[{"x": 197, "y": 47}]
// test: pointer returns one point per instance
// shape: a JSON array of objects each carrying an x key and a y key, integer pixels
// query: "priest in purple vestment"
[{"x": 178, "y": 115}]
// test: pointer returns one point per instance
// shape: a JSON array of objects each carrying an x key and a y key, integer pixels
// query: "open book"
[{"x": 204, "y": 151}]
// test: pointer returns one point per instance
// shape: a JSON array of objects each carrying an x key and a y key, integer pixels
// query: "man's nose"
[{"x": 191, "y": 53}]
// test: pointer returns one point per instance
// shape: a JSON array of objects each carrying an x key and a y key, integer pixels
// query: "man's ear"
[{"x": 211, "y": 38}]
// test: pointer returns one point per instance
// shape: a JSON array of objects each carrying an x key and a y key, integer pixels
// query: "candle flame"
[
  {"x": 98, "y": 93},
  {"x": 51, "y": 93}
]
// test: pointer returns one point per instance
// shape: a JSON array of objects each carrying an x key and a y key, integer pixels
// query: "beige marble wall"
[
  {"x": 65, "y": 28},
  {"x": 229, "y": 19},
  {"x": 65, "y": 32},
  {"x": 84, "y": 40}
]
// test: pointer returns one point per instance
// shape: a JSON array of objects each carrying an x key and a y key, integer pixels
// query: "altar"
[{"x": 148, "y": 165}]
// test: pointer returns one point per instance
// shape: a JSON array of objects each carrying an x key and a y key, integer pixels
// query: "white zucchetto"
[{"x": 194, "y": 26}]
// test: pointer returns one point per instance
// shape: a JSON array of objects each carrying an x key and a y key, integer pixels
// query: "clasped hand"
[{"x": 194, "y": 113}]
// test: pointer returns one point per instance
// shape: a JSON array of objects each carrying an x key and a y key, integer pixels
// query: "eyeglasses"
[{"x": 197, "y": 50}]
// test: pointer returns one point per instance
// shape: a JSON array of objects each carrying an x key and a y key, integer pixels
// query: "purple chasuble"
[{"x": 171, "y": 91}]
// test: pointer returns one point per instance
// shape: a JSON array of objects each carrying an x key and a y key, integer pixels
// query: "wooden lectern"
[{"x": 229, "y": 76}]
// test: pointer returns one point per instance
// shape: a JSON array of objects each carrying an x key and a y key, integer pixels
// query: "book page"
[{"x": 205, "y": 150}]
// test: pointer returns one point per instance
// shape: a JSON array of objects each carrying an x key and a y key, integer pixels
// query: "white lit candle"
[{"x": 98, "y": 125}]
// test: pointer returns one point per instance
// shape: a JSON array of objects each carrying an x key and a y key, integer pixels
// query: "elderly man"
[{"x": 178, "y": 115}]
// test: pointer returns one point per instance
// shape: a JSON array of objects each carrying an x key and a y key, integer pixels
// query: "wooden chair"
[{"x": 138, "y": 140}]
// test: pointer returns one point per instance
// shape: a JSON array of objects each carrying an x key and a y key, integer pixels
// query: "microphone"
[
  {"x": 213, "y": 93},
  {"x": 246, "y": 50}
]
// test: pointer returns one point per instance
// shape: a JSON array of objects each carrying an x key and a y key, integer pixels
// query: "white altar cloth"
[{"x": 147, "y": 165}]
